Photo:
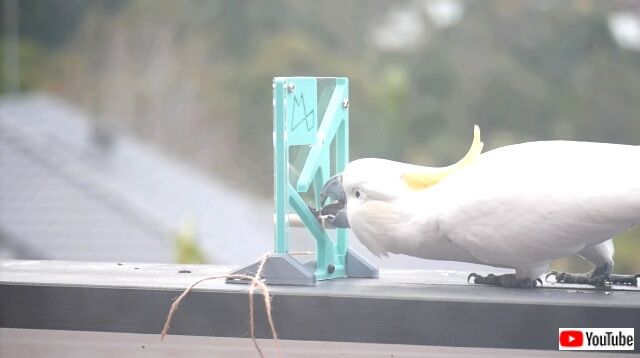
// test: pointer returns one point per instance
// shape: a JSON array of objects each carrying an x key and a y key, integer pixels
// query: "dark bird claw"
[
  {"x": 473, "y": 276},
  {"x": 555, "y": 274}
]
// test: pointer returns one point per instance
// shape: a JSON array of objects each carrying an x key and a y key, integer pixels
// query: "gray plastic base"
[
  {"x": 279, "y": 269},
  {"x": 283, "y": 269},
  {"x": 358, "y": 267}
]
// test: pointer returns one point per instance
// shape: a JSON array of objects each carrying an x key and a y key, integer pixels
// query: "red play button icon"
[{"x": 571, "y": 338}]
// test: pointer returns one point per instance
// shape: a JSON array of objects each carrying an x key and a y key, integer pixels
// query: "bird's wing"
[{"x": 534, "y": 202}]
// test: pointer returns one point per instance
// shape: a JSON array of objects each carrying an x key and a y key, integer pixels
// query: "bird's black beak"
[
  {"x": 333, "y": 189},
  {"x": 335, "y": 213}
]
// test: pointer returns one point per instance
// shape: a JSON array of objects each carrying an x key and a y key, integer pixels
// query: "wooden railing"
[{"x": 425, "y": 308}]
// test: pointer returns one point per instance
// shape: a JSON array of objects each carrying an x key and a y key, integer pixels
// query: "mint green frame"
[{"x": 295, "y": 110}]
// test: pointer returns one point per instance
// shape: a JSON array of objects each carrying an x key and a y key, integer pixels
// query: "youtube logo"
[
  {"x": 596, "y": 339},
  {"x": 570, "y": 338}
]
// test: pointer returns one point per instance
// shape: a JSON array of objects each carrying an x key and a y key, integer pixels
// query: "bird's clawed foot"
[
  {"x": 507, "y": 280},
  {"x": 595, "y": 278},
  {"x": 626, "y": 280}
]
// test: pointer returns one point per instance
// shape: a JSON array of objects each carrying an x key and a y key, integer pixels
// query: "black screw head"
[{"x": 331, "y": 268}]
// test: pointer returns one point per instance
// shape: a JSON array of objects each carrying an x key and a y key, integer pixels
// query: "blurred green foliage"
[
  {"x": 194, "y": 77},
  {"x": 32, "y": 57},
  {"x": 187, "y": 249}
]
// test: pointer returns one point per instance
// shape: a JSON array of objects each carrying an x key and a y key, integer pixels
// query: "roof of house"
[{"x": 68, "y": 191}]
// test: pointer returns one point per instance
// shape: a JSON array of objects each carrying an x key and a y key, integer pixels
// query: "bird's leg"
[
  {"x": 601, "y": 277},
  {"x": 507, "y": 280}
]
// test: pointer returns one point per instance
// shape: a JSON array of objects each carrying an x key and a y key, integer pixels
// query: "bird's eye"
[{"x": 357, "y": 193}]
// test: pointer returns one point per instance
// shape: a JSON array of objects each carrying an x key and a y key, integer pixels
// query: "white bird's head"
[{"x": 368, "y": 188}]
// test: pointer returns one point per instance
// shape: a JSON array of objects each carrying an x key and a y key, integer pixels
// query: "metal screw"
[
  {"x": 291, "y": 87},
  {"x": 345, "y": 103},
  {"x": 331, "y": 268}
]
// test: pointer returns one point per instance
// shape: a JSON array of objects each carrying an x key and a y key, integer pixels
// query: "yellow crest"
[{"x": 427, "y": 177}]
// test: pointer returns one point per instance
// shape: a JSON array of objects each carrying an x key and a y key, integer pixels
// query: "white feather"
[{"x": 519, "y": 206}]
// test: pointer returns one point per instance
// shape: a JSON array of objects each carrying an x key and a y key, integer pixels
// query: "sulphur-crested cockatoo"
[{"x": 519, "y": 206}]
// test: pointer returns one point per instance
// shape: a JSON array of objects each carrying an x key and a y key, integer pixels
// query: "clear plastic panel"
[{"x": 299, "y": 238}]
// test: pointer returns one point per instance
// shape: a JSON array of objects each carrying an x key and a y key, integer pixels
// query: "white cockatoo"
[{"x": 519, "y": 206}]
